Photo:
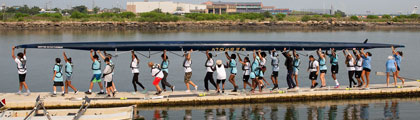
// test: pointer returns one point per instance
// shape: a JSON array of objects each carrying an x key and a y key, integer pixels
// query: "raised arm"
[
  {"x": 189, "y": 54},
  {"x": 227, "y": 55},
  {"x": 259, "y": 54},
  {"x": 294, "y": 53},
  {"x": 319, "y": 52},
  {"x": 164, "y": 55},
  {"x": 91, "y": 55},
  {"x": 284, "y": 52},
  {"x": 363, "y": 52},
  {"x": 207, "y": 54},
  {"x": 393, "y": 51},
  {"x": 272, "y": 53},
  {"x": 24, "y": 52},
  {"x": 344, "y": 52},
  {"x": 65, "y": 57},
  {"x": 253, "y": 54},
  {"x": 13, "y": 53},
  {"x": 240, "y": 59},
  {"x": 100, "y": 54}
]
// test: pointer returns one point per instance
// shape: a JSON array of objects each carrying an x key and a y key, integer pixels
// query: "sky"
[{"x": 348, "y": 6}]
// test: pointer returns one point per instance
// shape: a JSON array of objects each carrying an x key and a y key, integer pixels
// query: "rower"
[
  {"x": 96, "y": 78},
  {"x": 275, "y": 67},
  {"x": 188, "y": 71},
  {"x": 289, "y": 65},
  {"x": 314, "y": 71},
  {"x": 296, "y": 63},
  {"x": 334, "y": 66},
  {"x": 209, "y": 75},
  {"x": 69, "y": 73},
  {"x": 20, "y": 60},
  {"x": 391, "y": 67},
  {"x": 134, "y": 65},
  {"x": 58, "y": 77},
  {"x": 322, "y": 67},
  {"x": 359, "y": 68},
  {"x": 221, "y": 75},
  {"x": 350, "y": 67},
  {"x": 366, "y": 66},
  {"x": 398, "y": 57},
  {"x": 246, "y": 68},
  {"x": 109, "y": 56},
  {"x": 158, "y": 75},
  {"x": 255, "y": 72},
  {"x": 233, "y": 70},
  {"x": 164, "y": 67},
  {"x": 109, "y": 69}
]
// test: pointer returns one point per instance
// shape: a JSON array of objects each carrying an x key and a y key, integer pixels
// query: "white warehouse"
[{"x": 166, "y": 7}]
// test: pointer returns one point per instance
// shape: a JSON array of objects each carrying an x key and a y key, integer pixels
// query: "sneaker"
[
  {"x": 196, "y": 88},
  {"x": 133, "y": 93},
  {"x": 158, "y": 93},
  {"x": 316, "y": 84},
  {"x": 337, "y": 86},
  {"x": 144, "y": 91},
  {"x": 87, "y": 92},
  {"x": 173, "y": 88},
  {"x": 108, "y": 96},
  {"x": 275, "y": 87},
  {"x": 62, "y": 94},
  {"x": 205, "y": 90},
  {"x": 19, "y": 93},
  {"x": 322, "y": 86},
  {"x": 218, "y": 91},
  {"x": 113, "y": 93},
  {"x": 223, "y": 91},
  {"x": 101, "y": 93},
  {"x": 164, "y": 90},
  {"x": 28, "y": 93},
  {"x": 187, "y": 91},
  {"x": 75, "y": 92},
  {"x": 297, "y": 88},
  {"x": 53, "y": 95}
]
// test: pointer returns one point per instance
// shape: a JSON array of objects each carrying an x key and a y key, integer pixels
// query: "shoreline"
[
  {"x": 210, "y": 25},
  {"x": 377, "y": 91}
]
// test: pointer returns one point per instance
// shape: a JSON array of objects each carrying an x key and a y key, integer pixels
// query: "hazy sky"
[{"x": 349, "y": 6}]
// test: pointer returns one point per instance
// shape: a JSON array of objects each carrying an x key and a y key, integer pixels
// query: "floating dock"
[{"x": 178, "y": 98}]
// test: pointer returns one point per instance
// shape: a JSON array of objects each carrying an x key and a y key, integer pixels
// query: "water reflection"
[{"x": 323, "y": 111}]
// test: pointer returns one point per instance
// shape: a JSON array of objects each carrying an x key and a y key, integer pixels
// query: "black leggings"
[
  {"x": 209, "y": 77},
  {"x": 136, "y": 81},
  {"x": 164, "y": 82},
  {"x": 351, "y": 80}
]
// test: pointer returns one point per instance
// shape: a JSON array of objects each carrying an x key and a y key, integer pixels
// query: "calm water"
[
  {"x": 40, "y": 62},
  {"x": 404, "y": 109}
]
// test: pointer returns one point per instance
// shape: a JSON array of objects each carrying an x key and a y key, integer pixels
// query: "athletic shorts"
[
  {"x": 233, "y": 74},
  {"x": 245, "y": 78},
  {"x": 358, "y": 74},
  {"x": 68, "y": 78},
  {"x": 313, "y": 76},
  {"x": 275, "y": 74},
  {"x": 156, "y": 81},
  {"x": 221, "y": 81},
  {"x": 388, "y": 70},
  {"x": 187, "y": 77},
  {"x": 108, "y": 84},
  {"x": 323, "y": 71},
  {"x": 295, "y": 72},
  {"x": 398, "y": 68},
  {"x": 367, "y": 69},
  {"x": 22, "y": 77},
  {"x": 58, "y": 83},
  {"x": 334, "y": 69},
  {"x": 96, "y": 78},
  {"x": 260, "y": 78},
  {"x": 252, "y": 75}
]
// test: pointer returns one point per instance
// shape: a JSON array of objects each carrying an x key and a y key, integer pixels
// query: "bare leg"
[
  {"x": 26, "y": 86},
  {"x": 113, "y": 86},
  {"x": 71, "y": 86},
  {"x": 20, "y": 86},
  {"x": 296, "y": 80},
  {"x": 363, "y": 77},
  {"x": 100, "y": 85},
  {"x": 188, "y": 86},
  {"x": 66, "y": 86},
  {"x": 367, "y": 79},
  {"x": 387, "y": 79},
  {"x": 399, "y": 77},
  {"x": 323, "y": 79},
  {"x": 192, "y": 84},
  {"x": 158, "y": 88},
  {"x": 62, "y": 89},
  {"x": 91, "y": 86},
  {"x": 395, "y": 78},
  {"x": 232, "y": 80},
  {"x": 54, "y": 89}
]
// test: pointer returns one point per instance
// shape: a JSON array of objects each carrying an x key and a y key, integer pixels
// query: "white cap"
[
  {"x": 390, "y": 57},
  {"x": 218, "y": 62}
]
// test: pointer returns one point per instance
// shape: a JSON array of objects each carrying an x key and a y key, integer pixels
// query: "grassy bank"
[{"x": 165, "y": 17}]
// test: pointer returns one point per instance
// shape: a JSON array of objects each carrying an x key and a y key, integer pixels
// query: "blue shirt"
[
  {"x": 366, "y": 62},
  {"x": 333, "y": 59},
  {"x": 255, "y": 64},
  {"x": 398, "y": 60},
  {"x": 390, "y": 64},
  {"x": 97, "y": 66},
  {"x": 165, "y": 65},
  {"x": 322, "y": 64},
  {"x": 296, "y": 63},
  {"x": 58, "y": 76},
  {"x": 232, "y": 65},
  {"x": 69, "y": 69}
]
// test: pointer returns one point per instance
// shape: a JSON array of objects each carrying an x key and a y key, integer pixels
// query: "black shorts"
[
  {"x": 358, "y": 74},
  {"x": 275, "y": 74},
  {"x": 221, "y": 81},
  {"x": 108, "y": 84},
  {"x": 313, "y": 76},
  {"x": 367, "y": 69},
  {"x": 22, "y": 77},
  {"x": 398, "y": 68},
  {"x": 334, "y": 69},
  {"x": 260, "y": 78},
  {"x": 245, "y": 78},
  {"x": 323, "y": 71},
  {"x": 58, "y": 84}
]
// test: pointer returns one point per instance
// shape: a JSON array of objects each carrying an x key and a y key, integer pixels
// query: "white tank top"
[
  {"x": 221, "y": 72},
  {"x": 359, "y": 65},
  {"x": 350, "y": 66}
]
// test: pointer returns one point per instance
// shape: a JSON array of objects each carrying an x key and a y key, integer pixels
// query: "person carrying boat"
[
  {"x": 58, "y": 77},
  {"x": 134, "y": 66},
  {"x": 296, "y": 63},
  {"x": 109, "y": 56},
  {"x": 255, "y": 72},
  {"x": 96, "y": 69},
  {"x": 366, "y": 66},
  {"x": 188, "y": 71},
  {"x": 246, "y": 68},
  {"x": 68, "y": 70},
  {"x": 165, "y": 70},
  {"x": 359, "y": 68},
  {"x": 322, "y": 67},
  {"x": 334, "y": 66},
  {"x": 158, "y": 74},
  {"x": 107, "y": 75},
  {"x": 262, "y": 66},
  {"x": 275, "y": 68},
  {"x": 20, "y": 61},
  {"x": 350, "y": 62},
  {"x": 391, "y": 67},
  {"x": 313, "y": 68},
  {"x": 398, "y": 57},
  {"x": 209, "y": 75},
  {"x": 233, "y": 70},
  {"x": 221, "y": 75},
  {"x": 289, "y": 66}
]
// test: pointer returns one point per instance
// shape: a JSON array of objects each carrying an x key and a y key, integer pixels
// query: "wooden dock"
[{"x": 178, "y": 98}]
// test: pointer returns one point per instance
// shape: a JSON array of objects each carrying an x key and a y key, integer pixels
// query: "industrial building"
[
  {"x": 166, "y": 7},
  {"x": 241, "y": 7}
]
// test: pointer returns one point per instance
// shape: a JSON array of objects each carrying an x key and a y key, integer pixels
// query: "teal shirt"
[
  {"x": 69, "y": 69},
  {"x": 255, "y": 64},
  {"x": 322, "y": 64},
  {"x": 96, "y": 67},
  {"x": 333, "y": 59},
  {"x": 58, "y": 76},
  {"x": 232, "y": 65},
  {"x": 165, "y": 65}
]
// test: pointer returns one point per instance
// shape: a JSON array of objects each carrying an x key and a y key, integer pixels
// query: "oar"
[{"x": 384, "y": 74}]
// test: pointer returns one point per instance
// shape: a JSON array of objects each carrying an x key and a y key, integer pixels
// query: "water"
[
  {"x": 404, "y": 109},
  {"x": 40, "y": 62}
]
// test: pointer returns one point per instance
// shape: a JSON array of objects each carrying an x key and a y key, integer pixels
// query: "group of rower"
[{"x": 358, "y": 66}]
